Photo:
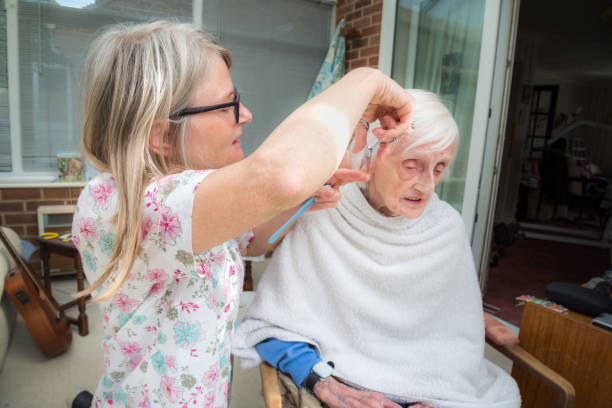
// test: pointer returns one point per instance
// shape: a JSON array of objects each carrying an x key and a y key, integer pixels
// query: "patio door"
[{"x": 459, "y": 49}]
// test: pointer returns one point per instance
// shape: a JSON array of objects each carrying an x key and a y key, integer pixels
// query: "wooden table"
[
  {"x": 571, "y": 346},
  {"x": 57, "y": 246}
]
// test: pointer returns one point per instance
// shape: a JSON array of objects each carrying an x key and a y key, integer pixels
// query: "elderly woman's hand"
[
  {"x": 329, "y": 195},
  {"x": 393, "y": 107},
  {"x": 337, "y": 395},
  {"x": 497, "y": 332}
]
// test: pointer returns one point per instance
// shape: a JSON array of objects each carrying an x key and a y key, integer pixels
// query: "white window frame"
[{"x": 17, "y": 175}]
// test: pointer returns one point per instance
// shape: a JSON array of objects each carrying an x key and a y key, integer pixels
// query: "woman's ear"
[{"x": 158, "y": 141}]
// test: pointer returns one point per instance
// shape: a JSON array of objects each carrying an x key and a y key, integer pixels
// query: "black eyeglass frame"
[{"x": 201, "y": 109}]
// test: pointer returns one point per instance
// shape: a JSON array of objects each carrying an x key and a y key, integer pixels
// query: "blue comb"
[{"x": 307, "y": 204}]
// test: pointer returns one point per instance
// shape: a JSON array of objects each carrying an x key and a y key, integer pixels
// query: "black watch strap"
[{"x": 314, "y": 378}]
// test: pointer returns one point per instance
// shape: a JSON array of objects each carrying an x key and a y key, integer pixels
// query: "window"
[{"x": 278, "y": 46}]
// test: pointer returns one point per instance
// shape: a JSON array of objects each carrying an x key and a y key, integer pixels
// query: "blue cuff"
[{"x": 291, "y": 357}]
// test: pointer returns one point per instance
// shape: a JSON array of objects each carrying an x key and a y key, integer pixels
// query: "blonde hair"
[{"x": 133, "y": 75}]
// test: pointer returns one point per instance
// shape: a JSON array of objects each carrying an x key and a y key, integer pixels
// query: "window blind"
[
  {"x": 53, "y": 41},
  {"x": 5, "y": 141},
  {"x": 278, "y": 47}
]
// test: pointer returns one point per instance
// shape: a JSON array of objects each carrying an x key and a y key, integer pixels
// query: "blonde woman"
[{"x": 161, "y": 232}]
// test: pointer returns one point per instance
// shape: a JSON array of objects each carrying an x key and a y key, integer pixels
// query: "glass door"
[{"x": 449, "y": 47}]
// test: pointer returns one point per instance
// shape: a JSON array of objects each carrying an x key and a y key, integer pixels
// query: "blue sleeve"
[{"x": 291, "y": 357}]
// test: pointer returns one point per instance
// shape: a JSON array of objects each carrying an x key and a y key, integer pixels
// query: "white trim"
[
  {"x": 604, "y": 244},
  {"x": 198, "y": 12},
  {"x": 23, "y": 183},
  {"x": 12, "y": 55},
  {"x": 481, "y": 113},
  {"x": 500, "y": 98},
  {"x": 332, "y": 21},
  {"x": 551, "y": 228},
  {"x": 387, "y": 36}
]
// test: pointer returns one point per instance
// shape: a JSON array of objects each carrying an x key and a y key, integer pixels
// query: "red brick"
[
  {"x": 362, "y": 3},
  {"x": 64, "y": 193},
  {"x": 19, "y": 229},
  {"x": 11, "y": 207},
  {"x": 31, "y": 231},
  {"x": 344, "y": 10},
  {"x": 361, "y": 23},
  {"x": 352, "y": 54},
  {"x": 373, "y": 62},
  {"x": 341, "y": 3},
  {"x": 362, "y": 62},
  {"x": 353, "y": 16},
  {"x": 20, "y": 193},
  {"x": 375, "y": 40},
  {"x": 33, "y": 205},
  {"x": 373, "y": 29},
  {"x": 359, "y": 43},
  {"x": 373, "y": 9},
  {"x": 369, "y": 51},
  {"x": 19, "y": 219},
  {"x": 376, "y": 18}
]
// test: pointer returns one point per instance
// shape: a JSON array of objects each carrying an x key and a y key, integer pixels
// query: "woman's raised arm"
[{"x": 298, "y": 156}]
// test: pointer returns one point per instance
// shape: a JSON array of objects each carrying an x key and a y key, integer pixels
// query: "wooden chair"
[{"x": 563, "y": 389}]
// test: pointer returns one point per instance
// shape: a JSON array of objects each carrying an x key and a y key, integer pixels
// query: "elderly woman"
[{"x": 383, "y": 286}]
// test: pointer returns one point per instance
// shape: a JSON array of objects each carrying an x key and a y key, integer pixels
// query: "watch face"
[{"x": 322, "y": 369}]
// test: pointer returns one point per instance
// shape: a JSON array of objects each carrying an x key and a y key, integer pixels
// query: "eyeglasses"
[{"x": 201, "y": 109}]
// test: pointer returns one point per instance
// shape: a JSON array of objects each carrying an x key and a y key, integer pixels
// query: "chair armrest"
[
  {"x": 563, "y": 389},
  {"x": 270, "y": 386}
]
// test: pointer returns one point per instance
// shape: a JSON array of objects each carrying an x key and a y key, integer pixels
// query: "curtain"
[
  {"x": 332, "y": 68},
  {"x": 445, "y": 62}
]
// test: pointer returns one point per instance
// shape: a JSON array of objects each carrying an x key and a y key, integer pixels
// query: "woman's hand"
[
  {"x": 393, "y": 107},
  {"x": 337, "y": 395},
  {"x": 325, "y": 197},
  {"x": 328, "y": 196}
]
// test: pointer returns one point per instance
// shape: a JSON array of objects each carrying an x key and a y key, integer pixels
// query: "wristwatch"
[{"x": 319, "y": 372}]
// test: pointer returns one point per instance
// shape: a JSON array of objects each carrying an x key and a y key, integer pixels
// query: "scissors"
[{"x": 366, "y": 161}]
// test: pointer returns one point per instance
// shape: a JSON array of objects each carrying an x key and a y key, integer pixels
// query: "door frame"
[
  {"x": 496, "y": 135},
  {"x": 488, "y": 123}
]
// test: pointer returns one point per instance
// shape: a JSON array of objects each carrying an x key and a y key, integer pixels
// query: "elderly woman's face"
[{"x": 403, "y": 185}]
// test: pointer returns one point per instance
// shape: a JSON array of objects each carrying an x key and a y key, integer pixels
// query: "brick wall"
[
  {"x": 364, "y": 16},
  {"x": 18, "y": 206}
]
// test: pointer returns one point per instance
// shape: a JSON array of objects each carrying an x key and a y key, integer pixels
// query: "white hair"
[{"x": 434, "y": 127}]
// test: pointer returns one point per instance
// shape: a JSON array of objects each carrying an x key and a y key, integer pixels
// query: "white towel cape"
[{"x": 393, "y": 302}]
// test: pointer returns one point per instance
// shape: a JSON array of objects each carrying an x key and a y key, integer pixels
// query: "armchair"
[
  {"x": 563, "y": 389},
  {"x": 8, "y": 313}
]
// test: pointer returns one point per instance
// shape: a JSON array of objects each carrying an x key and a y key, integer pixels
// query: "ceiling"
[{"x": 574, "y": 37}]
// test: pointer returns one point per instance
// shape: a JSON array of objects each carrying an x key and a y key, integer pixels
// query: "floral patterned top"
[{"x": 167, "y": 330}]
